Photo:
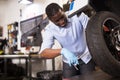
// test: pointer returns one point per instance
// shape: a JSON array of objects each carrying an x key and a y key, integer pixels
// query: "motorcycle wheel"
[{"x": 103, "y": 39}]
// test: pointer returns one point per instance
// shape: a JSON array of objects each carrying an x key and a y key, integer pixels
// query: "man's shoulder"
[
  {"x": 73, "y": 18},
  {"x": 50, "y": 26},
  {"x": 80, "y": 16}
]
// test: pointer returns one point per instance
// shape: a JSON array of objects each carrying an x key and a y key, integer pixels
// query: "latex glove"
[{"x": 72, "y": 59}]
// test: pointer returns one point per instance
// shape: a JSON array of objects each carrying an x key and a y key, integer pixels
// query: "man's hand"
[{"x": 72, "y": 59}]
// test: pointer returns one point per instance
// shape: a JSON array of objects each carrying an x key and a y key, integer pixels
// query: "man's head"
[{"x": 56, "y": 14}]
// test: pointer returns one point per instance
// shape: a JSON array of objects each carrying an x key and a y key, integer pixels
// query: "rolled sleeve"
[{"x": 48, "y": 40}]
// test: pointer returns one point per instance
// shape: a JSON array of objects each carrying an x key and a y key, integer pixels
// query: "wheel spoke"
[{"x": 111, "y": 32}]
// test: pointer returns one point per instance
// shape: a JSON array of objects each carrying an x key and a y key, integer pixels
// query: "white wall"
[
  {"x": 37, "y": 8},
  {"x": 10, "y": 11}
]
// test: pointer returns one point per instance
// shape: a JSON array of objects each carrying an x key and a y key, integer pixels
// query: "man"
[{"x": 70, "y": 33}]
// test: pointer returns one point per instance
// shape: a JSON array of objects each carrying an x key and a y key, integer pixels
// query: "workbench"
[{"x": 28, "y": 63}]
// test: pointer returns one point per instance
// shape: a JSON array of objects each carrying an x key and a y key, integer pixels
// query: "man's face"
[{"x": 59, "y": 19}]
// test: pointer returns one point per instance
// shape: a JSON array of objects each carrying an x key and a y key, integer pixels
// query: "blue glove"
[{"x": 72, "y": 59}]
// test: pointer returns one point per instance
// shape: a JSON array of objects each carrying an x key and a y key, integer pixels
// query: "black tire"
[{"x": 102, "y": 44}]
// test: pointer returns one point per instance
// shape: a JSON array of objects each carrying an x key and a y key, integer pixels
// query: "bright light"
[{"x": 25, "y": 1}]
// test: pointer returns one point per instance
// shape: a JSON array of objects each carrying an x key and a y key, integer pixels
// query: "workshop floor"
[{"x": 97, "y": 75}]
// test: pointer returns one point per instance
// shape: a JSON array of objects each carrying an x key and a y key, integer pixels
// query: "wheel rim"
[{"x": 111, "y": 33}]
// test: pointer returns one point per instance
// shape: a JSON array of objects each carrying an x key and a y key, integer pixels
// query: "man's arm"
[{"x": 50, "y": 53}]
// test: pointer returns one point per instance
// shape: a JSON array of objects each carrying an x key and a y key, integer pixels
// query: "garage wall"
[
  {"x": 10, "y": 11},
  {"x": 37, "y": 8}
]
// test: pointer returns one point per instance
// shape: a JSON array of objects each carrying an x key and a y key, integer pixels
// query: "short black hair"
[{"x": 51, "y": 9}]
